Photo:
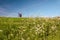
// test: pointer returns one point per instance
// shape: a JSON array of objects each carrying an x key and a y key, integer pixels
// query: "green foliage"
[{"x": 29, "y": 28}]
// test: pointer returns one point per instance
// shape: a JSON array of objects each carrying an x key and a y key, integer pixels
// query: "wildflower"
[
  {"x": 1, "y": 30},
  {"x": 28, "y": 38},
  {"x": 38, "y": 25},
  {"x": 41, "y": 30},
  {"x": 11, "y": 34},
  {"x": 53, "y": 27},
  {"x": 22, "y": 38},
  {"x": 33, "y": 22},
  {"x": 42, "y": 27}
]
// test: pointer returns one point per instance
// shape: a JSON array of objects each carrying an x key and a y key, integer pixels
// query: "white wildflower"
[
  {"x": 33, "y": 22},
  {"x": 41, "y": 30},
  {"x": 42, "y": 27},
  {"x": 53, "y": 27},
  {"x": 1, "y": 30},
  {"x": 28, "y": 38},
  {"x": 22, "y": 38},
  {"x": 11, "y": 34},
  {"x": 38, "y": 25},
  {"x": 24, "y": 30}
]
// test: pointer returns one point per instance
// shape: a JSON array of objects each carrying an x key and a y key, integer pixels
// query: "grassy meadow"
[{"x": 29, "y": 28}]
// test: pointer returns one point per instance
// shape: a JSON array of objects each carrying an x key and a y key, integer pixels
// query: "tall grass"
[{"x": 29, "y": 28}]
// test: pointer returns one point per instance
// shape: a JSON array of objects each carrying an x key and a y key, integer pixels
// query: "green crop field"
[{"x": 29, "y": 28}]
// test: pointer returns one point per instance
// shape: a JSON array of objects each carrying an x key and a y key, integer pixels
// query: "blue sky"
[{"x": 30, "y": 8}]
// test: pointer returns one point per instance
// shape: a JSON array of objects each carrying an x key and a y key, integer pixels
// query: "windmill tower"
[{"x": 20, "y": 14}]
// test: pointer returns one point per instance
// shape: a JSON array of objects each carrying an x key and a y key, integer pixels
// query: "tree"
[{"x": 20, "y": 14}]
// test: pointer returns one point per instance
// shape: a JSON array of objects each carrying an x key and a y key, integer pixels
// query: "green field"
[{"x": 29, "y": 28}]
